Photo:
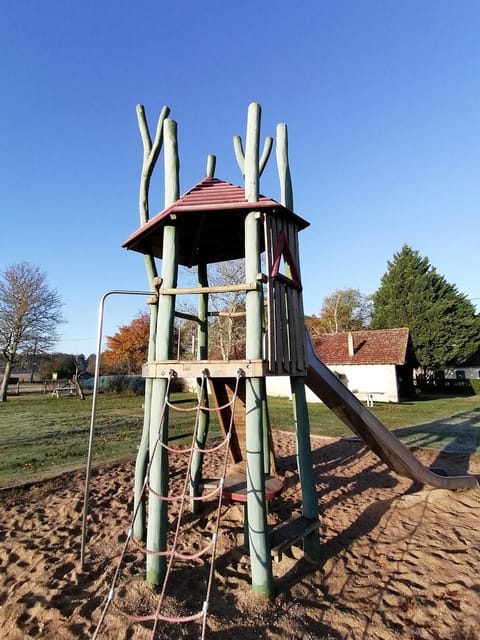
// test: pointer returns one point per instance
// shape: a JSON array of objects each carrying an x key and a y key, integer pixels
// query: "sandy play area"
[{"x": 398, "y": 560}]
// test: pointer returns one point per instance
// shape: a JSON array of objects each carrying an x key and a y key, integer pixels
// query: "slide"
[{"x": 366, "y": 426}]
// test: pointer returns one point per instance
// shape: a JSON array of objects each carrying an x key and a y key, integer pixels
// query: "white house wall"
[{"x": 378, "y": 381}]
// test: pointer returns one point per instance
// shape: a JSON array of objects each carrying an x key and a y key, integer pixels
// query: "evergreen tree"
[{"x": 443, "y": 324}]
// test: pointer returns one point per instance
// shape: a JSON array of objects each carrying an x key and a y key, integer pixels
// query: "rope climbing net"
[{"x": 176, "y": 551}]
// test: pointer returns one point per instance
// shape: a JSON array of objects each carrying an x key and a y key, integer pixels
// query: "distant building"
[
  {"x": 468, "y": 370},
  {"x": 375, "y": 365}
]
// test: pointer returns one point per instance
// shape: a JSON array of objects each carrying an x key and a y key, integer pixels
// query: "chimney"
[{"x": 351, "y": 351}]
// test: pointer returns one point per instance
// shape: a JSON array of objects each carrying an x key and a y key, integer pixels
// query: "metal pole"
[{"x": 94, "y": 408}]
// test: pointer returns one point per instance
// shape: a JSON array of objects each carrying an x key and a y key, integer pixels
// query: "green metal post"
[
  {"x": 261, "y": 563},
  {"x": 202, "y": 354},
  {"x": 311, "y": 543},
  {"x": 260, "y": 558},
  {"x": 157, "y": 508},
  {"x": 139, "y": 525},
  {"x": 151, "y": 150},
  {"x": 204, "y": 417},
  {"x": 300, "y": 409}
]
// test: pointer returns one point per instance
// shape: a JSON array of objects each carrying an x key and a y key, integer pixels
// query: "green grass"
[
  {"x": 41, "y": 435},
  {"x": 451, "y": 423}
]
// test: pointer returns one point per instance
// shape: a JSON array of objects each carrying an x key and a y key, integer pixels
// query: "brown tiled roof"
[
  {"x": 211, "y": 220},
  {"x": 383, "y": 346}
]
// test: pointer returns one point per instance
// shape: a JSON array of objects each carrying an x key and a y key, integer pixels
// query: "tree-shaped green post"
[
  {"x": 261, "y": 564},
  {"x": 202, "y": 391},
  {"x": 157, "y": 508},
  {"x": 151, "y": 151}
]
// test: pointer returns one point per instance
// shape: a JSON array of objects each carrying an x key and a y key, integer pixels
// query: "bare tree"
[
  {"x": 29, "y": 315},
  {"x": 342, "y": 310},
  {"x": 228, "y": 327}
]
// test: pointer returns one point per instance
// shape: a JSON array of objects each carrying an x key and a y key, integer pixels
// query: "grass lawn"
[
  {"x": 41, "y": 435},
  {"x": 420, "y": 422}
]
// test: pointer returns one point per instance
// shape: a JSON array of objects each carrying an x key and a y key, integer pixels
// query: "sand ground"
[{"x": 397, "y": 560}]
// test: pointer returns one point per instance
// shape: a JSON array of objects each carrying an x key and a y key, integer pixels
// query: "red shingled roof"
[
  {"x": 383, "y": 346},
  {"x": 210, "y": 217}
]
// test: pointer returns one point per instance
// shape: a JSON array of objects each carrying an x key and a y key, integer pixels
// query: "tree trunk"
[
  {"x": 6, "y": 376},
  {"x": 79, "y": 389}
]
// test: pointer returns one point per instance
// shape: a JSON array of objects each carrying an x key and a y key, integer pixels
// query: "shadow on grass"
[{"x": 456, "y": 438}]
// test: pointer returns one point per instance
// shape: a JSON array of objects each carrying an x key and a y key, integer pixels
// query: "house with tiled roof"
[{"x": 375, "y": 365}]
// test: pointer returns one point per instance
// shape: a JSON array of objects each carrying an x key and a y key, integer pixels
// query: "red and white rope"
[{"x": 173, "y": 553}]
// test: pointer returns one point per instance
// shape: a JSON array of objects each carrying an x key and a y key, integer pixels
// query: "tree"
[
  {"x": 127, "y": 350},
  {"x": 443, "y": 324},
  {"x": 30, "y": 313},
  {"x": 62, "y": 364},
  {"x": 91, "y": 363},
  {"x": 227, "y": 330},
  {"x": 342, "y": 310}
]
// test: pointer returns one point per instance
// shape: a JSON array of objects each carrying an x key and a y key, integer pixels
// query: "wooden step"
[{"x": 286, "y": 534}]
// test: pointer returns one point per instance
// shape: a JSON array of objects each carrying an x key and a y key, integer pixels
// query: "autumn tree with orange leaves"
[{"x": 127, "y": 350}]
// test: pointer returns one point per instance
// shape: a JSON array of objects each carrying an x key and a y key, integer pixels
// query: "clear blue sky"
[{"x": 382, "y": 100}]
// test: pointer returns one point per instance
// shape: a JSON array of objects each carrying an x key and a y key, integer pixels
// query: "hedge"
[{"x": 128, "y": 385}]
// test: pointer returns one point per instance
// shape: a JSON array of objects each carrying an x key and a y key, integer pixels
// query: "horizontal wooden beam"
[
  {"x": 186, "y": 316},
  {"x": 249, "y": 286},
  {"x": 228, "y": 314},
  {"x": 212, "y": 368}
]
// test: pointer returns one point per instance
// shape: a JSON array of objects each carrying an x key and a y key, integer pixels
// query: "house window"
[{"x": 460, "y": 375}]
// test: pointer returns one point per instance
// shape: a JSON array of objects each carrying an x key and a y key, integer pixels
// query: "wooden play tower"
[{"x": 217, "y": 221}]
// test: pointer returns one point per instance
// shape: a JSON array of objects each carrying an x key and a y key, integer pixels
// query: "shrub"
[
  {"x": 433, "y": 384},
  {"x": 475, "y": 384},
  {"x": 127, "y": 385}
]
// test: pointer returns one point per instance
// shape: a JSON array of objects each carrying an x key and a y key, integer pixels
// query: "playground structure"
[{"x": 217, "y": 221}]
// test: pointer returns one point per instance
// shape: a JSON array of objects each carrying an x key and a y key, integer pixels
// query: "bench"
[
  {"x": 68, "y": 390},
  {"x": 369, "y": 396}
]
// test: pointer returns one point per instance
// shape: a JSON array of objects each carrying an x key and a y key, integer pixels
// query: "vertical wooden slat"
[
  {"x": 297, "y": 314},
  {"x": 284, "y": 327},
  {"x": 277, "y": 310},
  {"x": 292, "y": 335},
  {"x": 270, "y": 294}
]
